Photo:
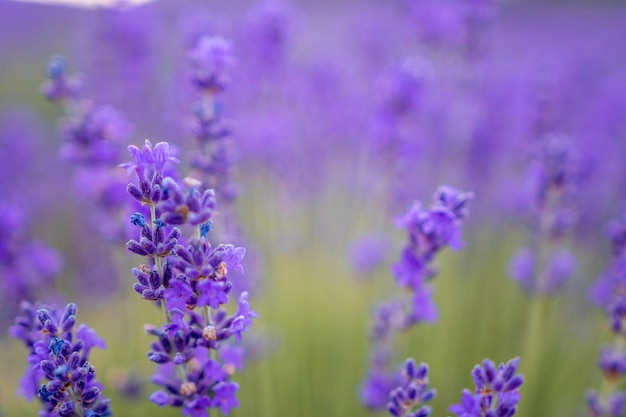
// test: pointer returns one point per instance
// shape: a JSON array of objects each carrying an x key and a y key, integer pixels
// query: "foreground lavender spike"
[
  {"x": 191, "y": 282},
  {"x": 429, "y": 230},
  {"x": 59, "y": 355},
  {"x": 608, "y": 292},
  {"x": 496, "y": 393}
]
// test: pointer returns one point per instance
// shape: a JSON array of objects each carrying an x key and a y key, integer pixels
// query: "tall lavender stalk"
[
  {"x": 430, "y": 230},
  {"x": 215, "y": 157},
  {"x": 190, "y": 282},
  {"x": 608, "y": 292},
  {"x": 92, "y": 136},
  {"x": 544, "y": 266}
]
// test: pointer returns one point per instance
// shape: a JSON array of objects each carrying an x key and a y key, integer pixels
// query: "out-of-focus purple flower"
[
  {"x": 224, "y": 398},
  {"x": 614, "y": 406},
  {"x": 608, "y": 292},
  {"x": 429, "y": 231},
  {"x": 612, "y": 362},
  {"x": 375, "y": 389},
  {"x": 268, "y": 29},
  {"x": 210, "y": 61},
  {"x": 93, "y": 135},
  {"x": 556, "y": 175},
  {"x": 368, "y": 253},
  {"x": 522, "y": 268},
  {"x": 59, "y": 87},
  {"x": 616, "y": 230}
]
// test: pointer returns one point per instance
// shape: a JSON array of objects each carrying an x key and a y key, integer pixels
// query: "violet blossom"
[{"x": 191, "y": 282}]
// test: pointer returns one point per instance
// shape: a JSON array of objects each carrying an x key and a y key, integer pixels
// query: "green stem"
[
  {"x": 158, "y": 265},
  {"x": 207, "y": 316},
  {"x": 80, "y": 412},
  {"x": 534, "y": 346},
  {"x": 182, "y": 374}
]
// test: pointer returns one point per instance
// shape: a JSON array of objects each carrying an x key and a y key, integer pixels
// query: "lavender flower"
[
  {"x": 546, "y": 264},
  {"x": 407, "y": 400},
  {"x": 59, "y": 86},
  {"x": 429, "y": 231},
  {"x": 615, "y": 405},
  {"x": 268, "y": 28},
  {"x": 215, "y": 158},
  {"x": 496, "y": 393},
  {"x": 92, "y": 138},
  {"x": 608, "y": 292},
  {"x": 191, "y": 282},
  {"x": 210, "y": 60},
  {"x": 368, "y": 253},
  {"x": 59, "y": 354}
]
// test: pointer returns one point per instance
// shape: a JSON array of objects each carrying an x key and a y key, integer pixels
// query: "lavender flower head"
[
  {"x": 92, "y": 134},
  {"x": 149, "y": 165},
  {"x": 407, "y": 400},
  {"x": 59, "y": 355},
  {"x": 60, "y": 87},
  {"x": 210, "y": 61},
  {"x": 429, "y": 231},
  {"x": 191, "y": 282},
  {"x": 368, "y": 253},
  {"x": 496, "y": 393},
  {"x": 268, "y": 26},
  {"x": 545, "y": 265},
  {"x": 608, "y": 292}
]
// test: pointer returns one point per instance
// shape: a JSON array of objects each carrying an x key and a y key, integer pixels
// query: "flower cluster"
[
  {"x": 60, "y": 87},
  {"x": 59, "y": 354},
  {"x": 407, "y": 400},
  {"x": 92, "y": 134},
  {"x": 429, "y": 230},
  {"x": 215, "y": 157},
  {"x": 546, "y": 264},
  {"x": 496, "y": 393},
  {"x": 189, "y": 278},
  {"x": 92, "y": 138},
  {"x": 609, "y": 293}
]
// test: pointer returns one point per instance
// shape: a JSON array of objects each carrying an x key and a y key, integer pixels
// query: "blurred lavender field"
[{"x": 326, "y": 124}]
